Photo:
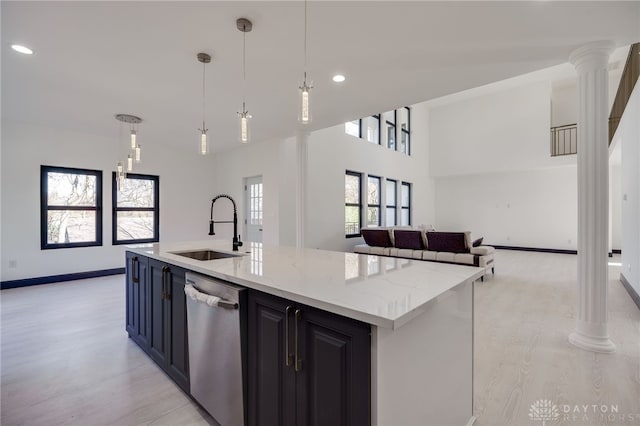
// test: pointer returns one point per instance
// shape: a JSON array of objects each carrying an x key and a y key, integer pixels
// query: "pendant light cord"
[
  {"x": 203, "y": 97},
  {"x": 305, "y": 40},
  {"x": 244, "y": 67}
]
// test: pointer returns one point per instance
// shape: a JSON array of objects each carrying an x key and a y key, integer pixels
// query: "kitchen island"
[{"x": 417, "y": 319}]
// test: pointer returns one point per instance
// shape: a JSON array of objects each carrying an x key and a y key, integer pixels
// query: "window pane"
[
  {"x": 403, "y": 118},
  {"x": 389, "y": 116},
  {"x": 372, "y": 126},
  {"x": 373, "y": 190},
  {"x": 404, "y": 141},
  {"x": 134, "y": 225},
  {"x": 352, "y": 128},
  {"x": 406, "y": 197},
  {"x": 71, "y": 226},
  {"x": 136, "y": 193},
  {"x": 71, "y": 189},
  {"x": 351, "y": 220},
  {"x": 373, "y": 216},
  {"x": 391, "y": 192},
  {"x": 391, "y": 216},
  {"x": 352, "y": 189},
  {"x": 405, "y": 217},
  {"x": 391, "y": 137}
]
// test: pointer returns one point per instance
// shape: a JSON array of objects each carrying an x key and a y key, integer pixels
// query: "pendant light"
[
  {"x": 304, "y": 111},
  {"x": 134, "y": 154},
  {"x": 245, "y": 26},
  {"x": 204, "y": 146}
]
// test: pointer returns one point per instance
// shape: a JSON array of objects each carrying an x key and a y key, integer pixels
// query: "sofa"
[{"x": 412, "y": 243}]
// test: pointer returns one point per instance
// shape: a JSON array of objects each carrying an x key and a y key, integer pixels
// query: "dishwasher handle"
[{"x": 208, "y": 299}]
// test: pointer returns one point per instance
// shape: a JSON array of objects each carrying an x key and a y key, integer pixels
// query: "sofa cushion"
[
  {"x": 429, "y": 255},
  {"x": 452, "y": 242},
  {"x": 362, "y": 248},
  {"x": 443, "y": 256},
  {"x": 483, "y": 250},
  {"x": 380, "y": 251},
  {"x": 478, "y": 242},
  {"x": 404, "y": 253},
  {"x": 377, "y": 237},
  {"x": 465, "y": 258},
  {"x": 408, "y": 239}
]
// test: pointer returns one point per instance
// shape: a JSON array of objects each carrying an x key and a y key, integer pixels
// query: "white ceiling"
[{"x": 96, "y": 59}]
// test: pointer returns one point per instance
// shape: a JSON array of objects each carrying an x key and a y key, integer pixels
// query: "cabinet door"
[
  {"x": 271, "y": 382},
  {"x": 131, "y": 295},
  {"x": 333, "y": 385},
  {"x": 136, "y": 293},
  {"x": 157, "y": 312},
  {"x": 176, "y": 325}
]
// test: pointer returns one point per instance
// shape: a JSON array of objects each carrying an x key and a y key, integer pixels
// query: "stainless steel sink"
[{"x": 204, "y": 254}]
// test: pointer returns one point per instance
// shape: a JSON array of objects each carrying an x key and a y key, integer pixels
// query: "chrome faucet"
[{"x": 236, "y": 237}]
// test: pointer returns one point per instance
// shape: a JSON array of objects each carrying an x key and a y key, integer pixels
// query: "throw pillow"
[
  {"x": 376, "y": 237},
  {"x": 478, "y": 242},
  {"x": 408, "y": 240},
  {"x": 451, "y": 242}
]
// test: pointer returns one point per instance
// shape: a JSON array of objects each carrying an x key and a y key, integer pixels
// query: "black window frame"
[
  {"x": 359, "y": 128},
  {"x": 408, "y": 207},
  {"x": 407, "y": 131},
  {"x": 116, "y": 209},
  {"x": 379, "y": 205},
  {"x": 379, "y": 118},
  {"x": 45, "y": 207},
  {"x": 395, "y": 131},
  {"x": 359, "y": 204},
  {"x": 393, "y": 206}
]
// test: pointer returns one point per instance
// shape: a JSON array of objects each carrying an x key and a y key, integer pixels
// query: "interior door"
[{"x": 253, "y": 202}]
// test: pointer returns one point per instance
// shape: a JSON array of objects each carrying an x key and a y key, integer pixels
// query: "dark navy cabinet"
[
  {"x": 156, "y": 314},
  {"x": 168, "y": 321},
  {"x": 137, "y": 288},
  {"x": 306, "y": 366}
]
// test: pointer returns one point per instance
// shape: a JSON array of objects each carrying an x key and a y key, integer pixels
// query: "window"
[
  {"x": 136, "y": 209},
  {"x": 405, "y": 218},
  {"x": 373, "y": 129},
  {"x": 392, "y": 188},
  {"x": 390, "y": 124},
  {"x": 353, "y": 128},
  {"x": 352, "y": 204},
  {"x": 405, "y": 130},
  {"x": 70, "y": 207},
  {"x": 373, "y": 201}
]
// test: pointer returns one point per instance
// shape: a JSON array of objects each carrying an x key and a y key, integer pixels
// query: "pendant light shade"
[
  {"x": 304, "y": 105},
  {"x": 133, "y": 139},
  {"x": 245, "y": 26},
  {"x": 137, "y": 154},
  {"x": 129, "y": 163},
  {"x": 203, "y": 146}
]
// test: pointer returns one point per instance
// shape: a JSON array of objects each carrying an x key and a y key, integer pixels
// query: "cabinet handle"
[
  {"x": 134, "y": 261},
  {"x": 165, "y": 294},
  {"x": 298, "y": 361},
  {"x": 287, "y": 355}
]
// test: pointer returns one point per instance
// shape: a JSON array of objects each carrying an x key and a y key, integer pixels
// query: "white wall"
[
  {"x": 564, "y": 104},
  {"x": 331, "y": 152},
  {"x": 184, "y": 182},
  {"x": 495, "y": 176},
  {"x": 536, "y": 208},
  {"x": 628, "y": 134},
  {"x": 498, "y": 132},
  {"x": 275, "y": 162},
  {"x": 616, "y": 206}
]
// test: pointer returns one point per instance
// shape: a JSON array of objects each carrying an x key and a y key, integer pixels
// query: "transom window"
[
  {"x": 391, "y": 129},
  {"x": 136, "y": 209},
  {"x": 353, "y": 128},
  {"x": 70, "y": 207}
]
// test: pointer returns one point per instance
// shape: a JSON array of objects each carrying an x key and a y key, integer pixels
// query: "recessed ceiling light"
[
  {"x": 339, "y": 78},
  {"x": 22, "y": 49}
]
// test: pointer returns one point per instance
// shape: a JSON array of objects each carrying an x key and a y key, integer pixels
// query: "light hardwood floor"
[{"x": 66, "y": 359}]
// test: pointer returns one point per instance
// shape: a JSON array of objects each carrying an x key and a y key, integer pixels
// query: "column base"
[{"x": 594, "y": 344}]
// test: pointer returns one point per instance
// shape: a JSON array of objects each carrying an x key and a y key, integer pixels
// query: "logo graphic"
[{"x": 543, "y": 410}]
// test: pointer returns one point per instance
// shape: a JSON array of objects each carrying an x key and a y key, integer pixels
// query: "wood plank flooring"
[{"x": 66, "y": 359}]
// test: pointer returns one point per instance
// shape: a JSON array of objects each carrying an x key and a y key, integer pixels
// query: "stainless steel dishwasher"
[{"x": 216, "y": 322}]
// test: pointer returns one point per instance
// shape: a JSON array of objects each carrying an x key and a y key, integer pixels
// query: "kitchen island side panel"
[{"x": 422, "y": 372}]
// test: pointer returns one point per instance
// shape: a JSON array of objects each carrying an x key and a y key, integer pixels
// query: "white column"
[
  {"x": 591, "y": 63},
  {"x": 301, "y": 183}
]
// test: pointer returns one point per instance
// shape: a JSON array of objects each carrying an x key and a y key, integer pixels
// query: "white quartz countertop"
[{"x": 382, "y": 291}]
